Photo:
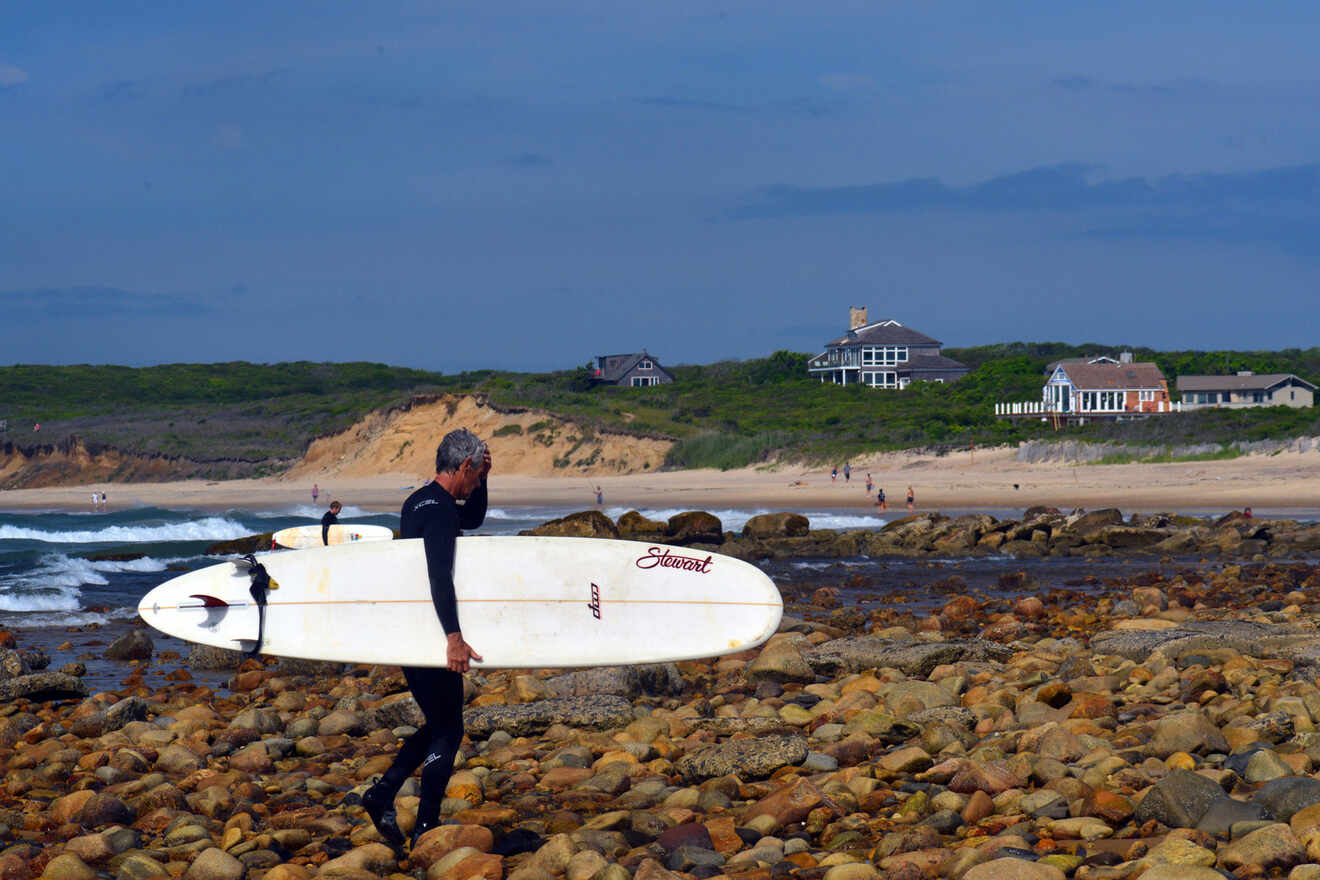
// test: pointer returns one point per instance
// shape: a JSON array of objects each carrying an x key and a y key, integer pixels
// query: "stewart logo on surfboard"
[{"x": 663, "y": 557}]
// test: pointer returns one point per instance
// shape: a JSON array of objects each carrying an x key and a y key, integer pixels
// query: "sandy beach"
[{"x": 988, "y": 479}]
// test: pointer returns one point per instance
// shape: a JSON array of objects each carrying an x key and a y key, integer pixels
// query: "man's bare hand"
[
  {"x": 485, "y": 463},
  {"x": 459, "y": 653}
]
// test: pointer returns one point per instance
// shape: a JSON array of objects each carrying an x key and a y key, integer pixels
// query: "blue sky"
[{"x": 525, "y": 185}]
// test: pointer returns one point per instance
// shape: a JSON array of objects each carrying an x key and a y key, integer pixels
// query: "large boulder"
[
  {"x": 636, "y": 527},
  {"x": 1179, "y": 800},
  {"x": 695, "y": 527},
  {"x": 858, "y": 653},
  {"x": 240, "y": 546},
  {"x": 1086, "y": 523},
  {"x": 528, "y": 719},
  {"x": 744, "y": 758},
  {"x": 41, "y": 686},
  {"x": 132, "y": 645},
  {"x": 777, "y": 525},
  {"x": 583, "y": 524},
  {"x": 649, "y": 679}
]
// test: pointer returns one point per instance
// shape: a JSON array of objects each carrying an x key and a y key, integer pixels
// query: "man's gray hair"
[{"x": 457, "y": 447}]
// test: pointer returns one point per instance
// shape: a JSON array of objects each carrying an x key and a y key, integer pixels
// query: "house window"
[
  {"x": 880, "y": 379},
  {"x": 645, "y": 365},
  {"x": 1146, "y": 396},
  {"x": 644, "y": 381},
  {"x": 1257, "y": 397},
  {"x": 883, "y": 355}
]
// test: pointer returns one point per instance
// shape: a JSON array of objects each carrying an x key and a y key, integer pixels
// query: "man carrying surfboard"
[
  {"x": 331, "y": 517},
  {"x": 432, "y": 513}
]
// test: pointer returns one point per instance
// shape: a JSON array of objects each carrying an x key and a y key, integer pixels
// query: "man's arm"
[
  {"x": 326, "y": 521},
  {"x": 473, "y": 512},
  {"x": 438, "y": 537}
]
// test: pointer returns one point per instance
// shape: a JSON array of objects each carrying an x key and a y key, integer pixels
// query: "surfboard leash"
[{"x": 259, "y": 588}]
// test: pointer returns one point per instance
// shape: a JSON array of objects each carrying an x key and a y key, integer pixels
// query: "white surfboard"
[
  {"x": 305, "y": 537},
  {"x": 524, "y": 602}
]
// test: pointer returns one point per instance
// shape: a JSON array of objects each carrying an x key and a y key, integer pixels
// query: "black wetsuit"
[
  {"x": 326, "y": 522},
  {"x": 431, "y": 514}
]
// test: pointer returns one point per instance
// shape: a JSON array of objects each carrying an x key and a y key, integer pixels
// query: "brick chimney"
[{"x": 856, "y": 317}]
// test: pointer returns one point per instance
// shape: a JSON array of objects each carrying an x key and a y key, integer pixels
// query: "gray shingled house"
[
  {"x": 1244, "y": 390},
  {"x": 883, "y": 354},
  {"x": 631, "y": 370}
]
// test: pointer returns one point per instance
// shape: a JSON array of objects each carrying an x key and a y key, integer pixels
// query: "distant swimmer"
[{"x": 331, "y": 517}]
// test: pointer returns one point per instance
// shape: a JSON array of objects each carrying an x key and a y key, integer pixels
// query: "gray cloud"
[{"x": 84, "y": 303}]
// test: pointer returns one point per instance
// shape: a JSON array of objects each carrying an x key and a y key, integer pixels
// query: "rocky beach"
[{"x": 1156, "y": 718}]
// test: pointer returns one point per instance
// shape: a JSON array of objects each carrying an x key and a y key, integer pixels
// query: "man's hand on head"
[
  {"x": 459, "y": 654},
  {"x": 485, "y": 463}
]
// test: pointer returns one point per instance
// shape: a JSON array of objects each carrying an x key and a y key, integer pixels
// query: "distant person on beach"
[
  {"x": 1247, "y": 512},
  {"x": 834, "y": 475},
  {"x": 880, "y": 499},
  {"x": 869, "y": 484},
  {"x": 600, "y": 497},
  {"x": 96, "y": 499},
  {"x": 104, "y": 500},
  {"x": 847, "y": 472},
  {"x": 462, "y": 464},
  {"x": 331, "y": 517},
  {"x": 911, "y": 499},
  {"x": 315, "y": 492}
]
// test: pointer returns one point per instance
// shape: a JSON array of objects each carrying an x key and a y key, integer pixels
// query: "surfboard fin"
[{"x": 261, "y": 584}]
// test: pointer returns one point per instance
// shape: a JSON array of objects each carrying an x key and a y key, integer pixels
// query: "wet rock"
[
  {"x": 68, "y": 866},
  {"x": 745, "y": 758},
  {"x": 396, "y": 710},
  {"x": 781, "y": 661},
  {"x": 652, "y": 679},
  {"x": 214, "y": 864},
  {"x": 777, "y": 525},
  {"x": 527, "y": 719},
  {"x": 1179, "y": 800},
  {"x": 103, "y": 810},
  {"x": 1013, "y": 869},
  {"x": 792, "y": 803},
  {"x": 132, "y": 645},
  {"x": 991, "y": 777},
  {"x": 917, "y": 659},
  {"x": 12, "y": 664},
  {"x": 1281, "y": 798},
  {"x": 634, "y": 526},
  {"x": 1271, "y": 848},
  {"x": 208, "y": 657},
  {"x": 1223, "y": 813},
  {"x": 1190, "y": 732},
  {"x": 41, "y": 686},
  {"x": 583, "y": 524},
  {"x": 695, "y": 527}
]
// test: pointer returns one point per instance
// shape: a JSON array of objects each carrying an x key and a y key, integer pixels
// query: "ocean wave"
[
  {"x": 211, "y": 528},
  {"x": 57, "y": 617},
  {"x": 309, "y": 511}
]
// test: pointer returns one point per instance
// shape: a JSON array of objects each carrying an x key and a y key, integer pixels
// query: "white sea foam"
[{"x": 211, "y": 528}]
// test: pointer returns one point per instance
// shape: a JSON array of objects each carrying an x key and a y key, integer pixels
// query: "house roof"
[
  {"x": 1089, "y": 376},
  {"x": 1260, "y": 382},
  {"x": 883, "y": 333},
  {"x": 625, "y": 364},
  {"x": 933, "y": 362}
]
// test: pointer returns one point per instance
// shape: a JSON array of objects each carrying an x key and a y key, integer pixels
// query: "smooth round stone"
[{"x": 820, "y": 763}]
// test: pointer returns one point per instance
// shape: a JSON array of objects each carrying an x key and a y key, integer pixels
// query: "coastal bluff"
[{"x": 1040, "y": 532}]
